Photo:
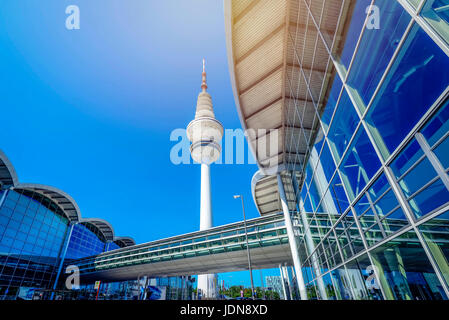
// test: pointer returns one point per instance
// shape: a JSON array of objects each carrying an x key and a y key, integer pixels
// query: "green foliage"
[{"x": 234, "y": 292}]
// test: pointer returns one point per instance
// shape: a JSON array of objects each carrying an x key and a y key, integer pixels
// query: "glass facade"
[
  {"x": 37, "y": 239},
  {"x": 375, "y": 191},
  {"x": 86, "y": 240},
  {"x": 32, "y": 234},
  {"x": 166, "y": 288}
]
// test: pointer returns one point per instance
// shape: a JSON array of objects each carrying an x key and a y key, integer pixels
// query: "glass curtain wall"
[
  {"x": 86, "y": 240},
  {"x": 32, "y": 234},
  {"x": 375, "y": 188},
  {"x": 167, "y": 288}
]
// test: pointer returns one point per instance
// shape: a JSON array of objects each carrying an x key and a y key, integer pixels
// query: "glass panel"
[
  {"x": 307, "y": 205},
  {"x": 431, "y": 198},
  {"x": 359, "y": 274},
  {"x": 414, "y": 3},
  {"x": 404, "y": 270},
  {"x": 438, "y": 126},
  {"x": 331, "y": 102},
  {"x": 346, "y": 45},
  {"x": 356, "y": 239},
  {"x": 319, "y": 140},
  {"x": 374, "y": 235},
  {"x": 378, "y": 188},
  {"x": 309, "y": 172},
  {"x": 386, "y": 204},
  {"x": 376, "y": 50},
  {"x": 338, "y": 202},
  {"x": 417, "y": 177},
  {"x": 86, "y": 240},
  {"x": 314, "y": 194},
  {"x": 409, "y": 90},
  {"x": 367, "y": 220},
  {"x": 315, "y": 151},
  {"x": 395, "y": 221},
  {"x": 343, "y": 126},
  {"x": 407, "y": 158},
  {"x": 330, "y": 291},
  {"x": 362, "y": 205},
  {"x": 341, "y": 284},
  {"x": 436, "y": 12},
  {"x": 359, "y": 165},
  {"x": 327, "y": 163},
  {"x": 349, "y": 237},
  {"x": 436, "y": 133},
  {"x": 436, "y": 234},
  {"x": 441, "y": 151},
  {"x": 307, "y": 271},
  {"x": 311, "y": 291}
]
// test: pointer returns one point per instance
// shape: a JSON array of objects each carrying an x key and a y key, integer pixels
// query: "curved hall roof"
[
  {"x": 62, "y": 199},
  {"x": 273, "y": 51},
  {"x": 266, "y": 193},
  {"x": 126, "y": 241},
  {"x": 8, "y": 175},
  {"x": 102, "y": 225}
]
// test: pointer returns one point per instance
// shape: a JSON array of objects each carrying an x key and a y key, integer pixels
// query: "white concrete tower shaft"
[
  {"x": 206, "y": 201},
  {"x": 205, "y": 133}
]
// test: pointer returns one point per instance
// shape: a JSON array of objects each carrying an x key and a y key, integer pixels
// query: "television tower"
[{"x": 205, "y": 133}]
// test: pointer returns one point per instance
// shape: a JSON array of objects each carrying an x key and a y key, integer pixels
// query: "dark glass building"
[{"x": 41, "y": 232}]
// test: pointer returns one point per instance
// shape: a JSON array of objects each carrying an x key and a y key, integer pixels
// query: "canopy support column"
[{"x": 292, "y": 240}]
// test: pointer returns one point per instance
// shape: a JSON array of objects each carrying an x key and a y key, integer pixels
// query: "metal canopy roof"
[
  {"x": 103, "y": 226},
  {"x": 263, "y": 39},
  {"x": 126, "y": 241},
  {"x": 8, "y": 176},
  {"x": 62, "y": 199},
  {"x": 266, "y": 195}
]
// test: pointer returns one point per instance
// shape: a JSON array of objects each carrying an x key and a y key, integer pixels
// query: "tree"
[
  {"x": 247, "y": 293},
  {"x": 233, "y": 291},
  {"x": 270, "y": 294}
]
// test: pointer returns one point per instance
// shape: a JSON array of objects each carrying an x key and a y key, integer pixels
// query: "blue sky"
[{"x": 90, "y": 111}]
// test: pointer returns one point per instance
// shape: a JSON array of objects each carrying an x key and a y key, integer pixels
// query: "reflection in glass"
[
  {"x": 330, "y": 291},
  {"x": 345, "y": 50},
  {"x": 359, "y": 276},
  {"x": 376, "y": 49},
  {"x": 437, "y": 14},
  {"x": 338, "y": 196},
  {"x": 418, "y": 179},
  {"x": 438, "y": 126},
  {"x": 343, "y": 126},
  {"x": 32, "y": 232},
  {"x": 341, "y": 284},
  {"x": 359, "y": 164},
  {"x": 409, "y": 90},
  {"x": 331, "y": 101},
  {"x": 432, "y": 197},
  {"x": 405, "y": 271},
  {"x": 436, "y": 234}
]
